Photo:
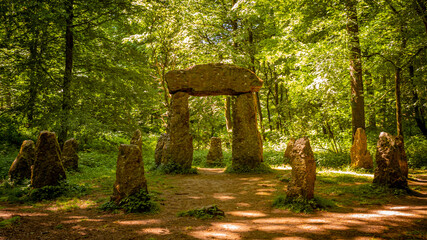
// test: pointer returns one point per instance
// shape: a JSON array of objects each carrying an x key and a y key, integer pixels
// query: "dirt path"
[{"x": 246, "y": 200}]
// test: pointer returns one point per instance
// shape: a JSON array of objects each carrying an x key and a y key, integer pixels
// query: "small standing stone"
[
  {"x": 21, "y": 166},
  {"x": 137, "y": 139},
  {"x": 130, "y": 177},
  {"x": 158, "y": 153},
  {"x": 215, "y": 156},
  {"x": 70, "y": 159},
  {"x": 388, "y": 171},
  {"x": 47, "y": 169},
  {"x": 287, "y": 155},
  {"x": 360, "y": 157},
  {"x": 303, "y": 170}
]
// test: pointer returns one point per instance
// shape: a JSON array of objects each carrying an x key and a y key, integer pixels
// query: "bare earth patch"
[{"x": 247, "y": 202}]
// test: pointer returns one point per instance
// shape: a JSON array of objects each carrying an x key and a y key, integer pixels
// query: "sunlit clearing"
[
  {"x": 286, "y": 167},
  {"x": 139, "y": 222},
  {"x": 287, "y": 220},
  {"x": 393, "y": 213},
  {"x": 214, "y": 235},
  {"x": 348, "y": 172},
  {"x": 263, "y": 193},
  {"x": 251, "y": 214},
  {"x": 157, "y": 231},
  {"x": 234, "y": 227}
]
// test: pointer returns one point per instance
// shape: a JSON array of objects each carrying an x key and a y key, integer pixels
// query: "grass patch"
[
  {"x": 262, "y": 168},
  {"x": 209, "y": 212},
  {"x": 302, "y": 205},
  {"x": 9, "y": 222}
]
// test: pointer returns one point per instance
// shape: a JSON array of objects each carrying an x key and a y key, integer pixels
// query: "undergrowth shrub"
[
  {"x": 208, "y": 212},
  {"x": 331, "y": 159},
  {"x": 416, "y": 151},
  {"x": 140, "y": 202}
]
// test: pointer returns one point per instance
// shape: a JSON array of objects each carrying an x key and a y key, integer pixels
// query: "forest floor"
[{"x": 246, "y": 200}]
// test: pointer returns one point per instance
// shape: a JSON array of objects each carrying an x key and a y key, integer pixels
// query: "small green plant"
[
  {"x": 208, "y": 212},
  {"x": 140, "y": 202},
  {"x": 59, "y": 226},
  {"x": 175, "y": 168},
  {"x": 9, "y": 222},
  {"x": 301, "y": 204}
]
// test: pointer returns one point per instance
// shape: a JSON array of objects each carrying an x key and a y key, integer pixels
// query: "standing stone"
[
  {"x": 360, "y": 157},
  {"x": 303, "y": 170},
  {"x": 137, "y": 139},
  {"x": 158, "y": 153},
  {"x": 21, "y": 166},
  {"x": 47, "y": 169},
  {"x": 215, "y": 156},
  {"x": 70, "y": 159},
  {"x": 179, "y": 152},
  {"x": 289, "y": 146},
  {"x": 247, "y": 143},
  {"x": 130, "y": 177},
  {"x": 388, "y": 171}
]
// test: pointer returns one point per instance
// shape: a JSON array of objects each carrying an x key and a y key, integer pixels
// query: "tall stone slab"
[
  {"x": 360, "y": 157},
  {"x": 21, "y": 166},
  {"x": 247, "y": 142},
  {"x": 130, "y": 178},
  {"x": 303, "y": 170},
  {"x": 215, "y": 156},
  {"x": 158, "y": 153},
  {"x": 179, "y": 151},
  {"x": 388, "y": 171},
  {"x": 70, "y": 159},
  {"x": 288, "y": 151},
  {"x": 48, "y": 169}
]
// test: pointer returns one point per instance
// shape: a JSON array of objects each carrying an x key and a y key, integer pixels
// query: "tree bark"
[
  {"x": 68, "y": 73},
  {"x": 357, "y": 99},
  {"x": 398, "y": 101}
]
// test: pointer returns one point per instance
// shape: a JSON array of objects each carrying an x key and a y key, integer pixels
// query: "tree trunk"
[
  {"x": 398, "y": 102},
  {"x": 228, "y": 120},
  {"x": 419, "y": 114},
  {"x": 268, "y": 109},
  {"x": 370, "y": 91},
  {"x": 357, "y": 99},
  {"x": 68, "y": 73}
]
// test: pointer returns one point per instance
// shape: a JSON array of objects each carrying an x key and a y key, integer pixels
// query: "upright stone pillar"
[
  {"x": 137, "y": 139},
  {"x": 247, "y": 143},
  {"x": 21, "y": 166},
  {"x": 360, "y": 157},
  {"x": 179, "y": 152},
  {"x": 215, "y": 156}
]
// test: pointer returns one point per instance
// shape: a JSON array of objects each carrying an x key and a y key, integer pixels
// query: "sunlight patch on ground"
[
  {"x": 157, "y": 231},
  {"x": 287, "y": 220},
  {"x": 233, "y": 227},
  {"x": 251, "y": 214},
  {"x": 242, "y": 204},
  {"x": 287, "y": 167},
  {"x": 393, "y": 213},
  {"x": 194, "y": 197},
  {"x": 348, "y": 172},
  {"x": 215, "y": 235},
  {"x": 263, "y": 193},
  {"x": 291, "y": 238},
  {"x": 139, "y": 222},
  {"x": 275, "y": 228},
  {"x": 223, "y": 196},
  {"x": 10, "y": 214}
]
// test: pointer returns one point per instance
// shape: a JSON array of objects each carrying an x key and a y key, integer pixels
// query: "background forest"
[{"x": 94, "y": 70}]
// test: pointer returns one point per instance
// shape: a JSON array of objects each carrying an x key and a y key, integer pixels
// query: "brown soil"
[{"x": 246, "y": 200}]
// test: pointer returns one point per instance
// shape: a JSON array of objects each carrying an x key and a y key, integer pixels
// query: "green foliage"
[
  {"x": 302, "y": 205},
  {"x": 416, "y": 151},
  {"x": 331, "y": 159},
  {"x": 6, "y": 159},
  {"x": 262, "y": 168},
  {"x": 9, "y": 222},
  {"x": 209, "y": 212},
  {"x": 140, "y": 202},
  {"x": 175, "y": 168},
  {"x": 25, "y": 193}
]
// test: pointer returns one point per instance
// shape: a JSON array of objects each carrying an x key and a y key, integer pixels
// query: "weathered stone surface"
[
  {"x": 137, "y": 138},
  {"x": 21, "y": 166},
  {"x": 403, "y": 160},
  {"x": 388, "y": 171},
  {"x": 360, "y": 157},
  {"x": 289, "y": 146},
  {"x": 47, "y": 169},
  {"x": 213, "y": 79},
  {"x": 215, "y": 156},
  {"x": 158, "y": 153},
  {"x": 130, "y": 178},
  {"x": 70, "y": 159},
  {"x": 303, "y": 170},
  {"x": 179, "y": 149},
  {"x": 247, "y": 143}
]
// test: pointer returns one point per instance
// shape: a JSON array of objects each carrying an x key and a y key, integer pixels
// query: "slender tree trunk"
[
  {"x": 384, "y": 102},
  {"x": 398, "y": 102},
  {"x": 268, "y": 110},
  {"x": 33, "y": 81},
  {"x": 228, "y": 120},
  {"x": 419, "y": 114},
  {"x": 357, "y": 99},
  {"x": 371, "y": 95},
  {"x": 68, "y": 73}
]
